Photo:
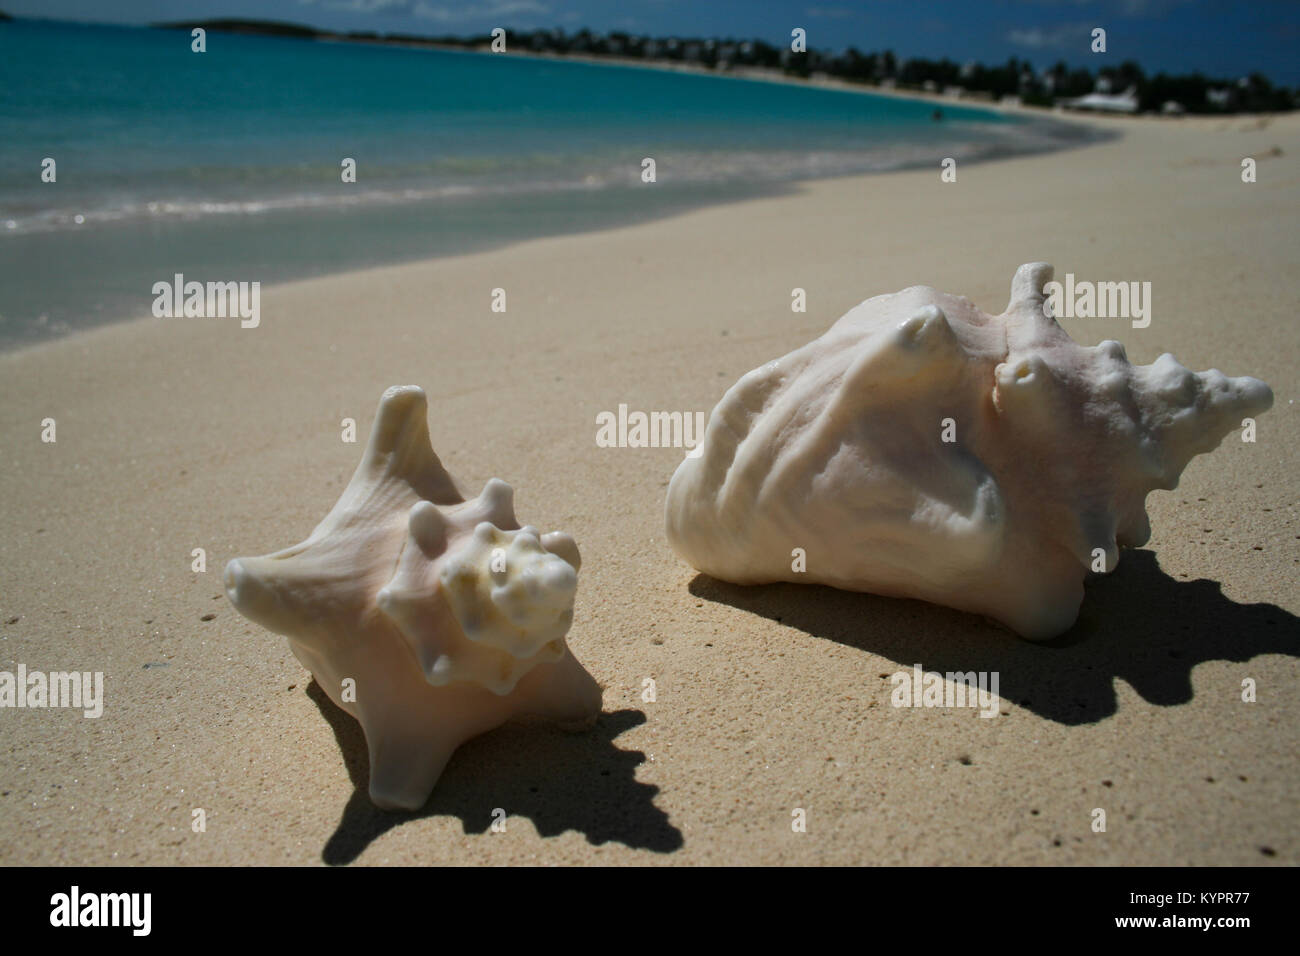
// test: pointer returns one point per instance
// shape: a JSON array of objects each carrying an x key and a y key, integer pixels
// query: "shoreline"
[
  {"x": 762, "y": 75},
  {"x": 612, "y": 216},
  {"x": 1116, "y": 125},
  {"x": 777, "y": 190}
]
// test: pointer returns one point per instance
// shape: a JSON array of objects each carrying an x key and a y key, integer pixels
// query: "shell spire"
[
  {"x": 399, "y": 448},
  {"x": 1189, "y": 413},
  {"x": 1027, "y": 284}
]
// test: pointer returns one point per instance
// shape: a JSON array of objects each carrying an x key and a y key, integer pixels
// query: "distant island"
[
  {"x": 1122, "y": 89},
  {"x": 274, "y": 28}
]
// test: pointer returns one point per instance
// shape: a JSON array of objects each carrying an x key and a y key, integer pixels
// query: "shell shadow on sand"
[
  {"x": 1137, "y": 624},
  {"x": 558, "y": 780}
]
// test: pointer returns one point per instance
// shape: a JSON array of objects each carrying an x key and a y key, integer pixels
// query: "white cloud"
[
  {"x": 477, "y": 9},
  {"x": 363, "y": 6},
  {"x": 1125, "y": 8},
  {"x": 1061, "y": 35},
  {"x": 1149, "y": 8},
  {"x": 439, "y": 11},
  {"x": 832, "y": 13}
]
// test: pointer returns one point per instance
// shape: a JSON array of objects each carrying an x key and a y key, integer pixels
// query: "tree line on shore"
[{"x": 1194, "y": 92}]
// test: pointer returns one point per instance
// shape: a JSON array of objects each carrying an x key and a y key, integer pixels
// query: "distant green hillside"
[{"x": 261, "y": 27}]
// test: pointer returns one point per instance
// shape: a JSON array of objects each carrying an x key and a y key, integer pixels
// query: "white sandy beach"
[{"x": 187, "y": 433}]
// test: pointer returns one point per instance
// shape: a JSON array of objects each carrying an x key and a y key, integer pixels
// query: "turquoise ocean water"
[{"x": 226, "y": 165}]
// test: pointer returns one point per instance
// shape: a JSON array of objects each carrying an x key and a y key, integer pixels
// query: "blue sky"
[{"x": 1218, "y": 37}]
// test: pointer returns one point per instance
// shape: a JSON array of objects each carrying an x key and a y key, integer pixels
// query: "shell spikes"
[{"x": 429, "y": 618}]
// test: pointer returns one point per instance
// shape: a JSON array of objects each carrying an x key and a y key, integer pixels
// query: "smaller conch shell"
[{"x": 428, "y": 618}]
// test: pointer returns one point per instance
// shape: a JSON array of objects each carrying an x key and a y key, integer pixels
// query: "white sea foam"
[{"x": 972, "y": 142}]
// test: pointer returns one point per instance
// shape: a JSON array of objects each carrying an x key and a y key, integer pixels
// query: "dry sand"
[{"x": 177, "y": 434}]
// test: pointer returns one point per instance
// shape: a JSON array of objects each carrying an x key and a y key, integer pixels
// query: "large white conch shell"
[
  {"x": 428, "y": 618},
  {"x": 924, "y": 449}
]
